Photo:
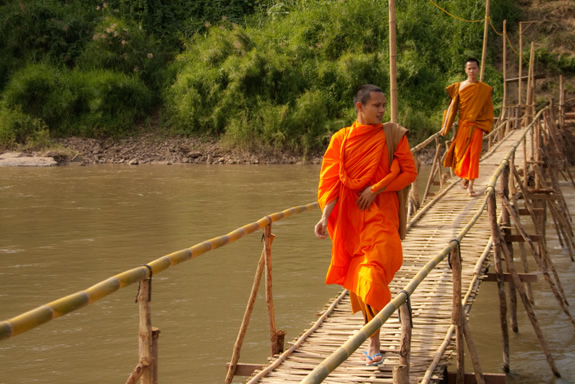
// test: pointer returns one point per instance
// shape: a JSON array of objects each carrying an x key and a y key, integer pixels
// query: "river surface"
[{"x": 64, "y": 229}]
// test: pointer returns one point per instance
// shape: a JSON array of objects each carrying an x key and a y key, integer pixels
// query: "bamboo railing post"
[
  {"x": 274, "y": 333},
  {"x": 434, "y": 166},
  {"x": 401, "y": 370},
  {"x": 458, "y": 319},
  {"x": 145, "y": 332},
  {"x": 520, "y": 70},
  {"x": 247, "y": 315},
  {"x": 457, "y": 316},
  {"x": 439, "y": 164},
  {"x": 504, "y": 112},
  {"x": 497, "y": 246},
  {"x": 155, "y": 353},
  {"x": 506, "y": 225},
  {"x": 414, "y": 202},
  {"x": 561, "y": 103}
]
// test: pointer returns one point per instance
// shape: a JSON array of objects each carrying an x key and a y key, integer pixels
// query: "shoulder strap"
[{"x": 393, "y": 134}]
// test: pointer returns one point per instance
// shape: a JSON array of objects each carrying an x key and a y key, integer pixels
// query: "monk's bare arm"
[{"x": 321, "y": 226}]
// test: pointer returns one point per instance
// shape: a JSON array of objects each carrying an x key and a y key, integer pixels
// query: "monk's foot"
[
  {"x": 464, "y": 183},
  {"x": 472, "y": 193}
]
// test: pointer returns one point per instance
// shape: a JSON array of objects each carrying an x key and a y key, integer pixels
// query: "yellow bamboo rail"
[{"x": 47, "y": 312}]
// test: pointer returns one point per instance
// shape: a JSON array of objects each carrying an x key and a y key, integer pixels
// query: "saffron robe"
[
  {"x": 366, "y": 247},
  {"x": 475, "y": 117}
]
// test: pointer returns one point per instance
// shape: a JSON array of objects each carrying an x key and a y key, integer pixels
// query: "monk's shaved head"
[
  {"x": 472, "y": 60},
  {"x": 363, "y": 93}
]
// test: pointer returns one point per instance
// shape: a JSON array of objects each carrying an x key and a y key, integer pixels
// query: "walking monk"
[
  {"x": 472, "y": 98},
  {"x": 364, "y": 169}
]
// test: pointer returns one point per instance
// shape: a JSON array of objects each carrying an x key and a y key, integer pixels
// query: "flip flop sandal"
[{"x": 374, "y": 363}]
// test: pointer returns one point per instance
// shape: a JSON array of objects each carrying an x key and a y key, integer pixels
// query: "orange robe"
[
  {"x": 366, "y": 248},
  {"x": 475, "y": 117}
]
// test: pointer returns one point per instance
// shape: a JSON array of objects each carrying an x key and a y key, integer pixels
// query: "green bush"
[
  {"x": 17, "y": 127},
  {"x": 87, "y": 103},
  {"x": 121, "y": 46},
  {"x": 49, "y": 30}
]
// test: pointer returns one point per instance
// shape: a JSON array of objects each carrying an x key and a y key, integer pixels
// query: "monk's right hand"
[{"x": 321, "y": 228}]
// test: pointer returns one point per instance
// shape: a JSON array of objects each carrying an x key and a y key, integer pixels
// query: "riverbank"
[{"x": 148, "y": 149}]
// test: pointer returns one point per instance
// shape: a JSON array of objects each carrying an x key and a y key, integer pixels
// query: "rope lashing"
[
  {"x": 458, "y": 252},
  {"x": 408, "y": 303},
  {"x": 140, "y": 284}
]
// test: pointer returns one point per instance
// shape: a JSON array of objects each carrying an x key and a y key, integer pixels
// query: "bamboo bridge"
[
  {"x": 459, "y": 232},
  {"x": 453, "y": 241}
]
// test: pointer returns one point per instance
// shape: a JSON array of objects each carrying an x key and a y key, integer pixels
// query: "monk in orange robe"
[
  {"x": 363, "y": 169},
  {"x": 472, "y": 99}
]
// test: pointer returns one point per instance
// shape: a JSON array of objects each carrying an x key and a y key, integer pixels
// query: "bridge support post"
[
  {"x": 462, "y": 329},
  {"x": 401, "y": 371},
  {"x": 497, "y": 244},
  {"x": 147, "y": 369}
]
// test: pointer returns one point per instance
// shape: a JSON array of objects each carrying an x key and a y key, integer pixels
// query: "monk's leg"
[
  {"x": 373, "y": 354},
  {"x": 470, "y": 188},
  {"x": 374, "y": 348}
]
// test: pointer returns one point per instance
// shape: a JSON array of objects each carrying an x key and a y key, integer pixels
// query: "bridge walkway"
[{"x": 442, "y": 220}]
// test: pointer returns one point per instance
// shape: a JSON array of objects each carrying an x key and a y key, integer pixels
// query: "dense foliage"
[{"x": 259, "y": 73}]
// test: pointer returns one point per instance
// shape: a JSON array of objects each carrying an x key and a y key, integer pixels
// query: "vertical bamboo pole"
[
  {"x": 504, "y": 112},
  {"x": 392, "y": 62},
  {"x": 275, "y": 348},
  {"x": 520, "y": 79},
  {"x": 155, "y": 337},
  {"x": 561, "y": 103},
  {"x": 506, "y": 224},
  {"x": 497, "y": 246},
  {"x": 529, "y": 87},
  {"x": 246, "y": 320},
  {"x": 485, "y": 35},
  {"x": 145, "y": 332},
  {"x": 457, "y": 316},
  {"x": 401, "y": 370}
]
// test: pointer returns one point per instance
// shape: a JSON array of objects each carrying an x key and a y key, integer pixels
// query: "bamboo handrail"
[{"x": 60, "y": 307}]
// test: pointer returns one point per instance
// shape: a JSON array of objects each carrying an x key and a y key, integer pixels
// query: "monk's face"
[
  {"x": 472, "y": 70},
  {"x": 371, "y": 112}
]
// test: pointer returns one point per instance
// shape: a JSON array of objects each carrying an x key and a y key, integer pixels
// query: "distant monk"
[
  {"x": 364, "y": 169},
  {"x": 472, "y": 98}
]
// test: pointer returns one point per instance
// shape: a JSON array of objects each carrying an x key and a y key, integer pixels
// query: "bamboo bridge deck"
[{"x": 431, "y": 303}]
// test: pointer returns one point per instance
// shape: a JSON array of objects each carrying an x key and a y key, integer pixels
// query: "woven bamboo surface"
[{"x": 431, "y": 303}]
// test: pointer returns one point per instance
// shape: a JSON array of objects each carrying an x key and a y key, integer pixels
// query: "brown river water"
[{"x": 65, "y": 229}]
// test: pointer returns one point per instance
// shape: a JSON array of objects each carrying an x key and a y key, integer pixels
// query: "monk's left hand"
[{"x": 366, "y": 197}]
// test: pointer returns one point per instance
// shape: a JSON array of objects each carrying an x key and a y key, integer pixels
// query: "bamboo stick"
[
  {"x": 145, "y": 332},
  {"x": 392, "y": 63},
  {"x": 527, "y": 304},
  {"x": 504, "y": 100},
  {"x": 561, "y": 103},
  {"x": 520, "y": 68},
  {"x": 401, "y": 370},
  {"x": 457, "y": 317},
  {"x": 246, "y": 319},
  {"x": 505, "y": 222},
  {"x": 485, "y": 35},
  {"x": 268, "y": 236},
  {"x": 497, "y": 245}
]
